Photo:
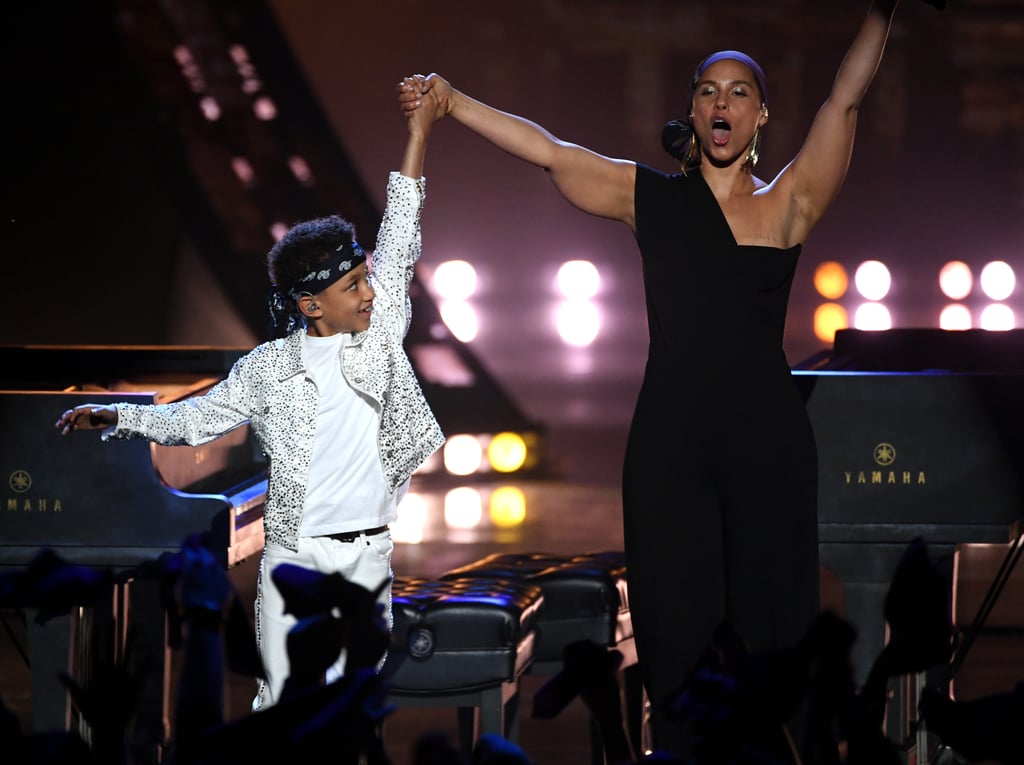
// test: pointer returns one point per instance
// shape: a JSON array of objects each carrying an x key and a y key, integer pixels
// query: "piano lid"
[
  {"x": 902, "y": 454},
  {"x": 915, "y": 349},
  {"x": 95, "y": 502},
  {"x": 119, "y": 502},
  {"x": 920, "y": 433}
]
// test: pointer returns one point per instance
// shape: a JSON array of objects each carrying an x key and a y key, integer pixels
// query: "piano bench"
[
  {"x": 586, "y": 597},
  {"x": 463, "y": 643}
]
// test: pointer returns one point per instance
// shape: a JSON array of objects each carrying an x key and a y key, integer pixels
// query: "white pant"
[{"x": 366, "y": 561}]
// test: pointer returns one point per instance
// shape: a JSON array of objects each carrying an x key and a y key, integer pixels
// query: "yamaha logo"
[
  {"x": 20, "y": 481},
  {"x": 885, "y": 472},
  {"x": 885, "y": 454},
  {"x": 19, "y": 500}
]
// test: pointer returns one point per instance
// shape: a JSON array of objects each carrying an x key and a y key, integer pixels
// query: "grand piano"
[
  {"x": 118, "y": 504},
  {"x": 920, "y": 433}
]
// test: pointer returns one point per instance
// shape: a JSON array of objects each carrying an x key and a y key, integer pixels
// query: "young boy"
[{"x": 335, "y": 404}]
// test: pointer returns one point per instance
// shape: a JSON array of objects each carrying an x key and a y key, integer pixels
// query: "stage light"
[
  {"x": 998, "y": 280},
  {"x": 873, "y": 280},
  {"x": 507, "y": 507},
  {"x": 578, "y": 322},
  {"x": 462, "y": 454},
  {"x": 210, "y": 108},
  {"x": 872, "y": 316},
  {"x": 828, "y": 319},
  {"x": 831, "y": 280},
  {"x": 245, "y": 68},
  {"x": 997, "y": 317},
  {"x": 463, "y": 508},
  {"x": 956, "y": 280},
  {"x": 460, "y": 317},
  {"x": 412, "y": 519},
  {"x": 506, "y": 452},
  {"x": 243, "y": 170},
  {"x": 301, "y": 170},
  {"x": 455, "y": 280},
  {"x": 578, "y": 279},
  {"x": 264, "y": 108},
  {"x": 956, "y": 316}
]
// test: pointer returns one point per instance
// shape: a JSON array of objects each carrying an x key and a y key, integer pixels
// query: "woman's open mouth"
[{"x": 720, "y": 132}]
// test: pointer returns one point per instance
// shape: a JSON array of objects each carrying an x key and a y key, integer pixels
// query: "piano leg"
[
  {"x": 88, "y": 641},
  {"x": 866, "y": 572},
  {"x": 49, "y": 651},
  {"x": 145, "y": 624}
]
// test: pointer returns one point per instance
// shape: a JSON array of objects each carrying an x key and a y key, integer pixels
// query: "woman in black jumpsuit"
[{"x": 719, "y": 482}]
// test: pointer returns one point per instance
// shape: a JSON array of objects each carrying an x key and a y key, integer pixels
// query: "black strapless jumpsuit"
[{"x": 720, "y": 475}]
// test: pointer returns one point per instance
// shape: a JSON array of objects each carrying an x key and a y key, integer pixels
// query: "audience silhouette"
[{"x": 798, "y": 706}]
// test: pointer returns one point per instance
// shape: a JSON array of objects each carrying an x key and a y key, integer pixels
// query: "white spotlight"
[
  {"x": 872, "y": 316},
  {"x": 412, "y": 519},
  {"x": 460, "y": 317},
  {"x": 455, "y": 280},
  {"x": 998, "y": 317},
  {"x": 578, "y": 279},
  {"x": 956, "y": 280},
  {"x": 463, "y": 508},
  {"x": 872, "y": 279},
  {"x": 463, "y": 454},
  {"x": 578, "y": 322},
  {"x": 998, "y": 280},
  {"x": 955, "y": 316}
]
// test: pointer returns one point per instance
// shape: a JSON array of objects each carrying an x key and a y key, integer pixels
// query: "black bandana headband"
[
  {"x": 283, "y": 304},
  {"x": 347, "y": 256}
]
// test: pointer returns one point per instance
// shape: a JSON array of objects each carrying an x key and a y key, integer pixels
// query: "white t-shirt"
[{"x": 346, "y": 489}]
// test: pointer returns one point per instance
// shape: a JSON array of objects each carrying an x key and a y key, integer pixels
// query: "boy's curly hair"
[{"x": 304, "y": 247}]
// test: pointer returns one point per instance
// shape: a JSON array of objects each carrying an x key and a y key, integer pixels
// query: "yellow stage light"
[
  {"x": 830, "y": 280},
  {"x": 508, "y": 506},
  {"x": 828, "y": 319},
  {"x": 506, "y": 452}
]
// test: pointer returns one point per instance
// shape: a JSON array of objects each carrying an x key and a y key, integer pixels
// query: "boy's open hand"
[{"x": 87, "y": 417}]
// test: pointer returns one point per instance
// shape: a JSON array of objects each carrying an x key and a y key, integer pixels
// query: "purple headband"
[
  {"x": 733, "y": 55},
  {"x": 281, "y": 303}
]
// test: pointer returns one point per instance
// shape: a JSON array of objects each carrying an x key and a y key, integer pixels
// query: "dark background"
[{"x": 121, "y": 225}]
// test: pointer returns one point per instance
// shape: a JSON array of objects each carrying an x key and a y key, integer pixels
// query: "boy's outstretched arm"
[{"x": 420, "y": 122}]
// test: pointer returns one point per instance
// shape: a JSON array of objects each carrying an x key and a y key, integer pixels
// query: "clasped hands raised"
[{"x": 418, "y": 90}]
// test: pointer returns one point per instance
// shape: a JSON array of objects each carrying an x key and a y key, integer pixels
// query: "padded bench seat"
[
  {"x": 586, "y": 598},
  {"x": 463, "y": 643}
]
